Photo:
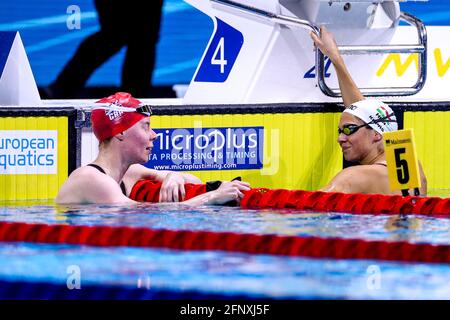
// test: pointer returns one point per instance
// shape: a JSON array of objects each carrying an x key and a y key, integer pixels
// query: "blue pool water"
[
  {"x": 417, "y": 229},
  {"x": 213, "y": 272},
  {"x": 227, "y": 274}
]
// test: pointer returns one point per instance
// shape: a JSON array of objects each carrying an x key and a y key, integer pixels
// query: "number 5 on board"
[{"x": 401, "y": 157}]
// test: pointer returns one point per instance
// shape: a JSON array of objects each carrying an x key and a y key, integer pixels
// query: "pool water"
[
  {"x": 413, "y": 228},
  {"x": 229, "y": 274},
  {"x": 213, "y": 272}
]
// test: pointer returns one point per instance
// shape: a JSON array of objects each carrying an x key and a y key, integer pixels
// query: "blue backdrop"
[{"x": 184, "y": 34}]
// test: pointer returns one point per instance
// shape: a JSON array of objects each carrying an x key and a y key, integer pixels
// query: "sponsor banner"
[
  {"x": 194, "y": 149},
  {"x": 28, "y": 151}
]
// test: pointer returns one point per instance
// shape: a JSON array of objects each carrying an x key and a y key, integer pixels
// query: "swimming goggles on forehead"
[
  {"x": 145, "y": 109},
  {"x": 349, "y": 129}
]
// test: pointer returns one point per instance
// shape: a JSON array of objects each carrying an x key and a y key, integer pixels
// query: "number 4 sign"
[
  {"x": 221, "y": 54},
  {"x": 401, "y": 157}
]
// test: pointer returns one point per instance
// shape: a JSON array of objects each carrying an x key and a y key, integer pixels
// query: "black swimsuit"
[{"x": 122, "y": 185}]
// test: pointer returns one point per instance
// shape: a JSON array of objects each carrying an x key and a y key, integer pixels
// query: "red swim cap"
[{"x": 107, "y": 123}]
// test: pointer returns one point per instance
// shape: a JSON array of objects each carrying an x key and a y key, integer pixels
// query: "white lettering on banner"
[
  {"x": 181, "y": 139},
  {"x": 28, "y": 151},
  {"x": 224, "y": 147}
]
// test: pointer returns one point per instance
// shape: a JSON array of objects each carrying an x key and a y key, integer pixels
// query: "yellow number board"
[{"x": 401, "y": 157}]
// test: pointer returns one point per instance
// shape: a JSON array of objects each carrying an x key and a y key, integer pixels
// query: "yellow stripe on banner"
[
  {"x": 52, "y": 180},
  {"x": 300, "y": 149},
  {"x": 32, "y": 180},
  {"x": 35, "y": 183},
  {"x": 2, "y": 181},
  {"x": 63, "y": 154},
  {"x": 10, "y": 179},
  {"x": 21, "y": 184},
  {"x": 42, "y": 182},
  {"x": 432, "y": 135}
]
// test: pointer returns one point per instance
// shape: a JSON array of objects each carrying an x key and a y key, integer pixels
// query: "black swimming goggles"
[
  {"x": 145, "y": 109},
  {"x": 349, "y": 129}
]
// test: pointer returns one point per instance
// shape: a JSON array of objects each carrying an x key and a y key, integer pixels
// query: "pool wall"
[
  {"x": 38, "y": 149},
  {"x": 290, "y": 146},
  {"x": 300, "y": 140}
]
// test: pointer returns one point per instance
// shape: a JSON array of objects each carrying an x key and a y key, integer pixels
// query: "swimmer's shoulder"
[
  {"x": 363, "y": 179},
  {"x": 374, "y": 179},
  {"x": 86, "y": 184}
]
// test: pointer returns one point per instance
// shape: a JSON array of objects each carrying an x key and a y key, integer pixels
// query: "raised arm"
[{"x": 327, "y": 44}]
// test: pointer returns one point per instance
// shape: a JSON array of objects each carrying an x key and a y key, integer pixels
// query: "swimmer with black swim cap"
[{"x": 122, "y": 126}]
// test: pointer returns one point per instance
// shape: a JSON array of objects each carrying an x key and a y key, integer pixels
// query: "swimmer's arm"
[
  {"x": 227, "y": 191},
  {"x": 346, "y": 181},
  {"x": 137, "y": 172},
  {"x": 202, "y": 199},
  {"x": 328, "y": 46},
  {"x": 187, "y": 177},
  {"x": 336, "y": 185},
  {"x": 423, "y": 181},
  {"x": 172, "y": 187},
  {"x": 350, "y": 92}
]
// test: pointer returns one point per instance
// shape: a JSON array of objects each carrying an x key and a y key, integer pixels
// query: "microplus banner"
[
  {"x": 229, "y": 148},
  {"x": 28, "y": 151}
]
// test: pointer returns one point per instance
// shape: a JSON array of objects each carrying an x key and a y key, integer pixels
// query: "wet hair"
[{"x": 104, "y": 143}]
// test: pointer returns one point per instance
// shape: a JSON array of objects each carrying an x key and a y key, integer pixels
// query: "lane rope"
[
  {"x": 314, "y": 247},
  {"x": 259, "y": 198}
]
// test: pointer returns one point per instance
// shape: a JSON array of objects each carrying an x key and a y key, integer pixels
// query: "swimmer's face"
[
  {"x": 357, "y": 145},
  {"x": 139, "y": 141}
]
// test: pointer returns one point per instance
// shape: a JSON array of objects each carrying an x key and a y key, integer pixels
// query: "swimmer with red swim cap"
[
  {"x": 360, "y": 129},
  {"x": 122, "y": 126}
]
